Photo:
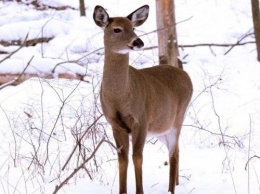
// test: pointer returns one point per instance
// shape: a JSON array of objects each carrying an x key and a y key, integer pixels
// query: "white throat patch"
[{"x": 124, "y": 51}]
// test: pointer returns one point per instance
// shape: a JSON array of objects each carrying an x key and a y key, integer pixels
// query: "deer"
[{"x": 140, "y": 102}]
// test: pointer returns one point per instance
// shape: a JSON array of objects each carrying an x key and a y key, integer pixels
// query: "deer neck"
[{"x": 116, "y": 74}]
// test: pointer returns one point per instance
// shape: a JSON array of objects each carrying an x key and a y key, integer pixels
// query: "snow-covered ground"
[{"x": 42, "y": 121}]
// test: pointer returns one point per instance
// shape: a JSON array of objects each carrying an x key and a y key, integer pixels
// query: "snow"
[{"x": 42, "y": 120}]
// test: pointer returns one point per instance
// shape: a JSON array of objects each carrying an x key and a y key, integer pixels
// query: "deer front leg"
[
  {"x": 138, "y": 145},
  {"x": 122, "y": 143}
]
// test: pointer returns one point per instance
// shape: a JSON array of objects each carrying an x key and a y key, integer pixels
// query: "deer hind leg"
[
  {"x": 122, "y": 142},
  {"x": 171, "y": 141},
  {"x": 174, "y": 170}
]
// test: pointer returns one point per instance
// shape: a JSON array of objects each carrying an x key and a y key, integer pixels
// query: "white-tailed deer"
[{"x": 140, "y": 102}]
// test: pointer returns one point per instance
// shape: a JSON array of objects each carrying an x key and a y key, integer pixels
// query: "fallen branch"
[
  {"x": 31, "y": 42},
  {"x": 15, "y": 51},
  {"x": 3, "y": 52},
  {"x": 13, "y": 78},
  {"x": 17, "y": 78},
  {"x": 42, "y": 6}
]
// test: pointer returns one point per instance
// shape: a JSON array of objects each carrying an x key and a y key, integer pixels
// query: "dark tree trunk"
[
  {"x": 256, "y": 21},
  {"x": 82, "y": 8}
]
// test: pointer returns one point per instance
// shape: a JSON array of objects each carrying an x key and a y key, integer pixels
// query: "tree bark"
[
  {"x": 256, "y": 21},
  {"x": 82, "y": 8},
  {"x": 167, "y": 35}
]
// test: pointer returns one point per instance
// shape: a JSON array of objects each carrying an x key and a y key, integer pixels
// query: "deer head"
[{"x": 119, "y": 32}]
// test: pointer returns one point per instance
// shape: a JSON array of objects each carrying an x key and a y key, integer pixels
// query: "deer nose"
[{"x": 138, "y": 43}]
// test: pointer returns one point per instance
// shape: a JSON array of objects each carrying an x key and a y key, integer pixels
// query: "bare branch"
[
  {"x": 207, "y": 45},
  {"x": 211, "y": 132},
  {"x": 15, "y": 51},
  {"x": 166, "y": 27},
  {"x": 239, "y": 42},
  {"x": 58, "y": 117},
  {"x": 75, "y": 61},
  {"x": 255, "y": 156},
  {"x": 17, "y": 79},
  {"x": 58, "y": 187},
  {"x": 78, "y": 144}
]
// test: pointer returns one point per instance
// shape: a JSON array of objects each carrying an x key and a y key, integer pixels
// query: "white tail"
[{"x": 140, "y": 102}]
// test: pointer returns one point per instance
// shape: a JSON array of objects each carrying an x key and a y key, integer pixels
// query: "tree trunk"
[
  {"x": 167, "y": 35},
  {"x": 82, "y": 8},
  {"x": 256, "y": 21}
]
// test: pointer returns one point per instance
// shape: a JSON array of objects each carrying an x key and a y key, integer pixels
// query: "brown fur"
[{"x": 137, "y": 102}]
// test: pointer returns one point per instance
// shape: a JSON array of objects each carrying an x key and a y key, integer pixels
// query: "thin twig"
[
  {"x": 207, "y": 45},
  {"x": 58, "y": 187},
  {"x": 166, "y": 27},
  {"x": 79, "y": 140},
  {"x": 249, "y": 147},
  {"x": 239, "y": 41},
  {"x": 222, "y": 135},
  {"x": 58, "y": 117},
  {"x": 16, "y": 79},
  {"x": 211, "y": 132},
  {"x": 255, "y": 156},
  {"x": 75, "y": 61},
  {"x": 15, "y": 51}
]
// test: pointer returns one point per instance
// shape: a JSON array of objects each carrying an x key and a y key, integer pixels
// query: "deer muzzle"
[{"x": 137, "y": 44}]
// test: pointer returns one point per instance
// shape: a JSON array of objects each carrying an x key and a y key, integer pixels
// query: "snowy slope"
[{"x": 41, "y": 121}]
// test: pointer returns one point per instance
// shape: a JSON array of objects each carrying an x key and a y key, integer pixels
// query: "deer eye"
[{"x": 117, "y": 30}]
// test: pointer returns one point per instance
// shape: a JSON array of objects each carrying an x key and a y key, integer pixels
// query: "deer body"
[{"x": 140, "y": 102}]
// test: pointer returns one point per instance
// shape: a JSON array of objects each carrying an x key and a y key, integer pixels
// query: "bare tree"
[
  {"x": 82, "y": 8},
  {"x": 256, "y": 21},
  {"x": 167, "y": 35}
]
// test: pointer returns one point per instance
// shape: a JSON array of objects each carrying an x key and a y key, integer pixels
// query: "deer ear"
[
  {"x": 100, "y": 16},
  {"x": 139, "y": 16}
]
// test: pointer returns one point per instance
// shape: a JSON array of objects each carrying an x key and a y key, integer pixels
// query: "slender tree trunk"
[
  {"x": 82, "y": 8},
  {"x": 256, "y": 21},
  {"x": 167, "y": 35}
]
